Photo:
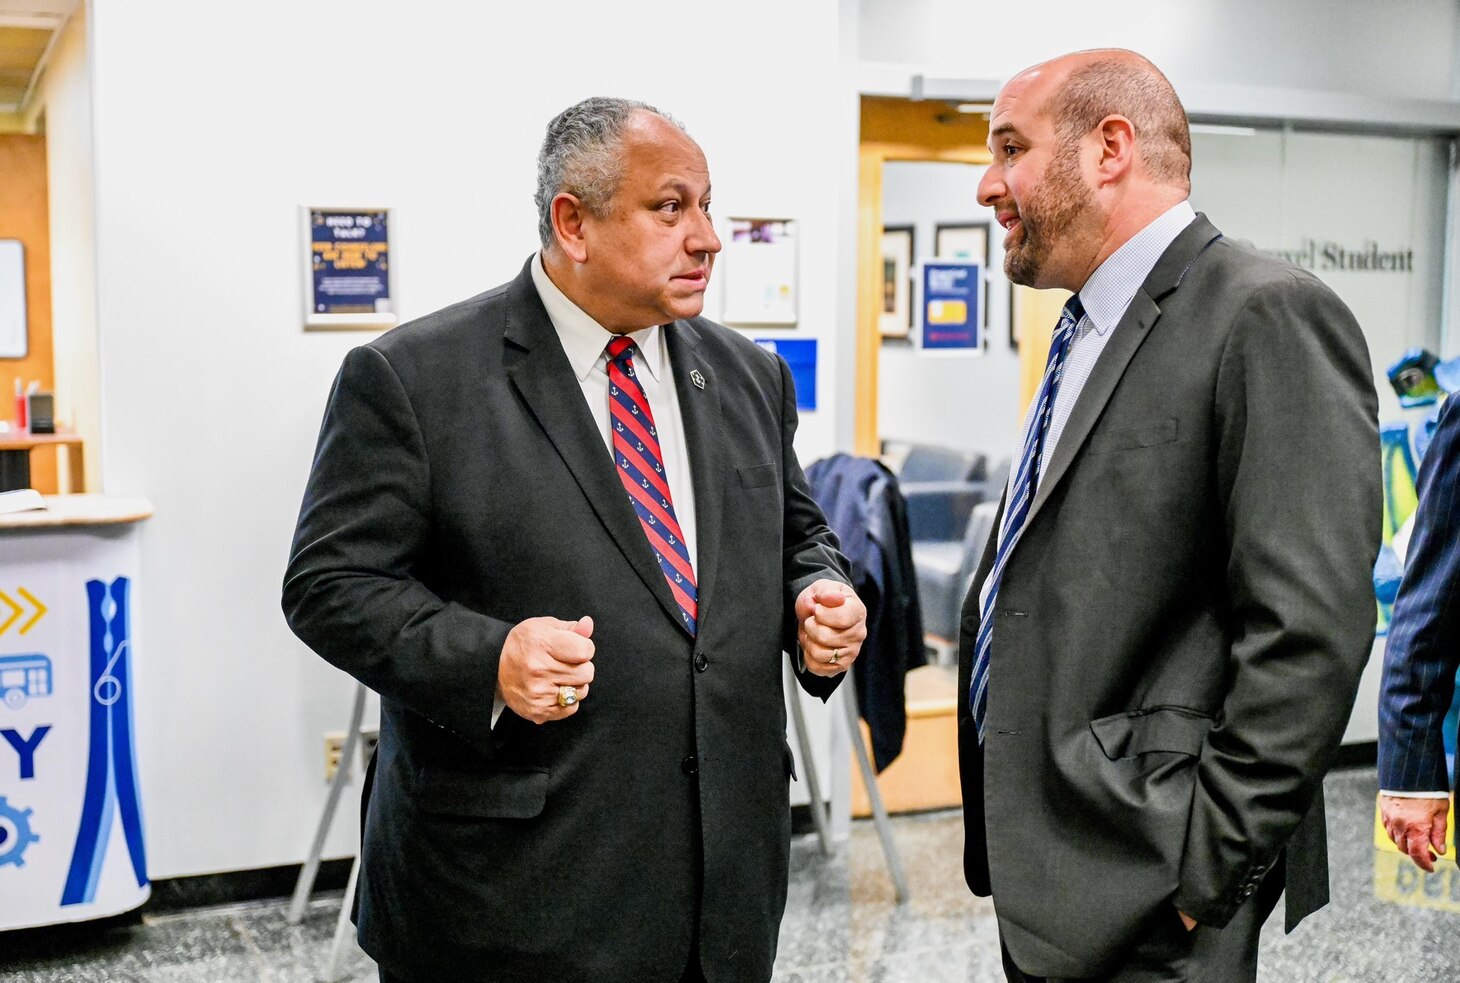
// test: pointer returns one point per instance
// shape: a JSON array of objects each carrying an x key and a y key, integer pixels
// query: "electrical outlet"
[
  {"x": 368, "y": 740},
  {"x": 334, "y": 750}
]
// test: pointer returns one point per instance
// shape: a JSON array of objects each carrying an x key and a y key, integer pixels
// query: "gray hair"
[{"x": 580, "y": 155}]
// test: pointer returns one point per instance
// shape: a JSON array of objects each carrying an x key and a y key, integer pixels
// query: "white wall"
[
  {"x": 1400, "y": 48},
  {"x": 957, "y": 400},
  {"x": 67, "y": 99},
  {"x": 212, "y": 392}
]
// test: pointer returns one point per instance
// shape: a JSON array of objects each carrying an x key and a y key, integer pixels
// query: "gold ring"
[
  {"x": 567, "y": 696},
  {"x": 836, "y": 653}
]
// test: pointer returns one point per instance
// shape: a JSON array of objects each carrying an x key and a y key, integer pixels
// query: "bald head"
[{"x": 1115, "y": 82}]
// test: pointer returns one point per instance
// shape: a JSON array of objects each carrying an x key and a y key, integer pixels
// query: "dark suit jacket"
[
  {"x": 461, "y": 486},
  {"x": 866, "y": 510},
  {"x": 1423, "y": 649},
  {"x": 1180, "y": 631}
]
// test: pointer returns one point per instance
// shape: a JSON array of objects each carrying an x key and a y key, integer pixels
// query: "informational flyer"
[
  {"x": 948, "y": 317},
  {"x": 348, "y": 281},
  {"x": 759, "y": 270}
]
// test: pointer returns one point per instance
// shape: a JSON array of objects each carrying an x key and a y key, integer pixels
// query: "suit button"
[
  {"x": 701, "y": 663},
  {"x": 690, "y": 766}
]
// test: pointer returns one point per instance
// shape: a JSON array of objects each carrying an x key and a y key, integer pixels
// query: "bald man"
[{"x": 1162, "y": 645}]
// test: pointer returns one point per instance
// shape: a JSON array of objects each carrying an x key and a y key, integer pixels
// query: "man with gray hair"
[
  {"x": 1164, "y": 638},
  {"x": 561, "y": 529}
]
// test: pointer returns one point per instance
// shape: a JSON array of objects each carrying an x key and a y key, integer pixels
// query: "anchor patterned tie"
[
  {"x": 1021, "y": 496},
  {"x": 640, "y": 466}
]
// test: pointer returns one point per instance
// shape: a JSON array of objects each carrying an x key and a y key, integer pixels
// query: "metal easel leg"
[
  {"x": 342, "y": 926},
  {"x": 869, "y": 780},
  {"x": 808, "y": 762},
  {"x": 310, "y": 870}
]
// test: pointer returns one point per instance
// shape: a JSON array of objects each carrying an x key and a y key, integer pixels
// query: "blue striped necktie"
[
  {"x": 640, "y": 466},
  {"x": 1021, "y": 495}
]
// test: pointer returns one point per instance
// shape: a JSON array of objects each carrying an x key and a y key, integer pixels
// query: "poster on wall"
[
  {"x": 348, "y": 279},
  {"x": 800, "y": 356},
  {"x": 13, "y": 334},
  {"x": 759, "y": 272},
  {"x": 894, "y": 318},
  {"x": 949, "y": 299}
]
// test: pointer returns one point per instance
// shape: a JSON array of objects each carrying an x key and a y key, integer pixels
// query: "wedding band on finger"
[
  {"x": 836, "y": 653},
  {"x": 567, "y": 696}
]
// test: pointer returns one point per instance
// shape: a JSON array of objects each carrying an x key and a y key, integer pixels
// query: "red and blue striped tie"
[{"x": 640, "y": 467}]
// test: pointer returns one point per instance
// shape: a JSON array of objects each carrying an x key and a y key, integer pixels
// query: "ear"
[
  {"x": 569, "y": 215},
  {"x": 1117, "y": 140}
]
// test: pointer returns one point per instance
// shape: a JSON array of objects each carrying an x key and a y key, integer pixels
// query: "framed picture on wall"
[
  {"x": 894, "y": 320},
  {"x": 349, "y": 280},
  {"x": 968, "y": 241},
  {"x": 759, "y": 272},
  {"x": 1014, "y": 306},
  {"x": 965, "y": 241},
  {"x": 13, "y": 323}
]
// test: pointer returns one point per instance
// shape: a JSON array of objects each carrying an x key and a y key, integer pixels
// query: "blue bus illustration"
[{"x": 24, "y": 676}]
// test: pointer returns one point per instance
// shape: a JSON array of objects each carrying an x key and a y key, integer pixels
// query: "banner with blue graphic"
[
  {"x": 111, "y": 769},
  {"x": 72, "y": 844}
]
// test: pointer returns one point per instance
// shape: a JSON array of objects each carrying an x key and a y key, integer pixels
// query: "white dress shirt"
[
  {"x": 1105, "y": 297},
  {"x": 584, "y": 341}
]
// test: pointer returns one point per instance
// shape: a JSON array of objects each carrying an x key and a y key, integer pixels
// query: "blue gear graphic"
[{"x": 19, "y": 820}]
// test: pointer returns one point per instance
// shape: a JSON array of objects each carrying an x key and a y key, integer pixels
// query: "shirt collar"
[
  {"x": 1113, "y": 285},
  {"x": 583, "y": 338}
]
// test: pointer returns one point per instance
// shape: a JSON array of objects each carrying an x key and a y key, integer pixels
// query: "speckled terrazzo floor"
[{"x": 1387, "y": 923}]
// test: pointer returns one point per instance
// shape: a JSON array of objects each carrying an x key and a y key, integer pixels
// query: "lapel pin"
[{"x": 697, "y": 379}]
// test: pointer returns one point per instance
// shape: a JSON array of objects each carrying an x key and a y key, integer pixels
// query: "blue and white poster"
[
  {"x": 72, "y": 843},
  {"x": 348, "y": 281},
  {"x": 949, "y": 318},
  {"x": 800, "y": 356}
]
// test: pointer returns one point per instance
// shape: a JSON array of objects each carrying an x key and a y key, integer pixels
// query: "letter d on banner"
[{"x": 111, "y": 770}]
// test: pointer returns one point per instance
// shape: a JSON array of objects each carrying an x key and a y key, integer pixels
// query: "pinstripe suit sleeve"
[{"x": 1423, "y": 650}]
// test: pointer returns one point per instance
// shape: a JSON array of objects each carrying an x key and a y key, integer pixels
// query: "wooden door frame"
[{"x": 895, "y": 129}]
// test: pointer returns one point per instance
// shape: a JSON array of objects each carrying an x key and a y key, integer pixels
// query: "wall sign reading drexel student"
[
  {"x": 348, "y": 281},
  {"x": 948, "y": 317}
]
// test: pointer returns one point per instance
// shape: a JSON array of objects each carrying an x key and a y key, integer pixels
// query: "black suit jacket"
[
  {"x": 461, "y": 486},
  {"x": 1180, "y": 631}
]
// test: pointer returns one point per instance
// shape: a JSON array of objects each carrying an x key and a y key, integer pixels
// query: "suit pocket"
[
  {"x": 758, "y": 475},
  {"x": 1127, "y": 735},
  {"x": 1132, "y": 438},
  {"x": 507, "y": 794}
]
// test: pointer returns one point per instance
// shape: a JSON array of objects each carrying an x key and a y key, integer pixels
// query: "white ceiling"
[{"x": 28, "y": 31}]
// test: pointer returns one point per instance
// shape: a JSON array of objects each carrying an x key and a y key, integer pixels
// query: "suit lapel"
[
  {"x": 1130, "y": 332},
  {"x": 544, "y": 379},
  {"x": 704, "y": 436}
]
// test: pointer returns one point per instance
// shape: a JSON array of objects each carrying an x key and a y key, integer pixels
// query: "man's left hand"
[
  {"x": 833, "y": 623},
  {"x": 1417, "y": 826}
]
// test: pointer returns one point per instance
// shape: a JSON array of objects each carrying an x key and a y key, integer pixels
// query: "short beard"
[{"x": 1053, "y": 211}]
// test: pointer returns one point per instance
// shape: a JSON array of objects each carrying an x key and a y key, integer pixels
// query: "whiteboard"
[{"x": 12, "y": 299}]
